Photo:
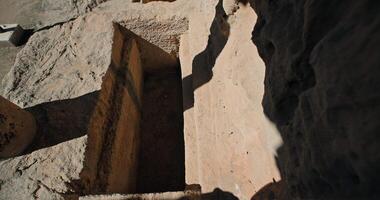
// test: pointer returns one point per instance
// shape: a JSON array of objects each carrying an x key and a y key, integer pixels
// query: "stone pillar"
[{"x": 17, "y": 129}]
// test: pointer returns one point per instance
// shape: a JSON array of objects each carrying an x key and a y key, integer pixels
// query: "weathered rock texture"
[
  {"x": 36, "y": 14},
  {"x": 322, "y": 90},
  {"x": 7, "y": 57},
  {"x": 69, "y": 60},
  {"x": 229, "y": 144},
  {"x": 17, "y": 129},
  {"x": 63, "y": 67},
  {"x": 44, "y": 173}
]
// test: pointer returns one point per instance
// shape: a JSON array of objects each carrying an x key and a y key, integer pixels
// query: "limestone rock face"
[
  {"x": 43, "y": 174},
  {"x": 322, "y": 90},
  {"x": 56, "y": 76},
  {"x": 51, "y": 58},
  {"x": 36, "y": 14},
  {"x": 69, "y": 60},
  {"x": 229, "y": 143}
]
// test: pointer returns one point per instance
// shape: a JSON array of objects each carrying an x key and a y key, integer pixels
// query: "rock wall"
[
  {"x": 322, "y": 91},
  {"x": 229, "y": 142},
  {"x": 113, "y": 131}
]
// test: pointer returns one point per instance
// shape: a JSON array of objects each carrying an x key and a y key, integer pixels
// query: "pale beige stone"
[
  {"x": 43, "y": 174},
  {"x": 224, "y": 122},
  {"x": 70, "y": 60},
  {"x": 37, "y": 14},
  {"x": 229, "y": 142}
]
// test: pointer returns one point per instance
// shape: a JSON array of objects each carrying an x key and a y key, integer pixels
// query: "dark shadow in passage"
[
  {"x": 62, "y": 120},
  {"x": 162, "y": 149},
  {"x": 204, "y": 62}
]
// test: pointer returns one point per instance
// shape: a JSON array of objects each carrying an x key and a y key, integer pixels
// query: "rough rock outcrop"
[
  {"x": 61, "y": 68},
  {"x": 322, "y": 90},
  {"x": 37, "y": 14},
  {"x": 69, "y": 60},
  {"x": 44, "y": 173}
]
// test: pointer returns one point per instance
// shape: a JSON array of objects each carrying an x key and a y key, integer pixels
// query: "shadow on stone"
[
  {"x": 204, "y": 62},
  {"x": 62, "y": 120}
]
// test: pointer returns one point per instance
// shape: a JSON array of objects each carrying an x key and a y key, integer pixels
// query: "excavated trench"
[
  {"x": 136, "y": 140},
  {"x": 162, "y": 155},
  {"x": 134, "y": 123},
  {"x": 161, "y": 152}
]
